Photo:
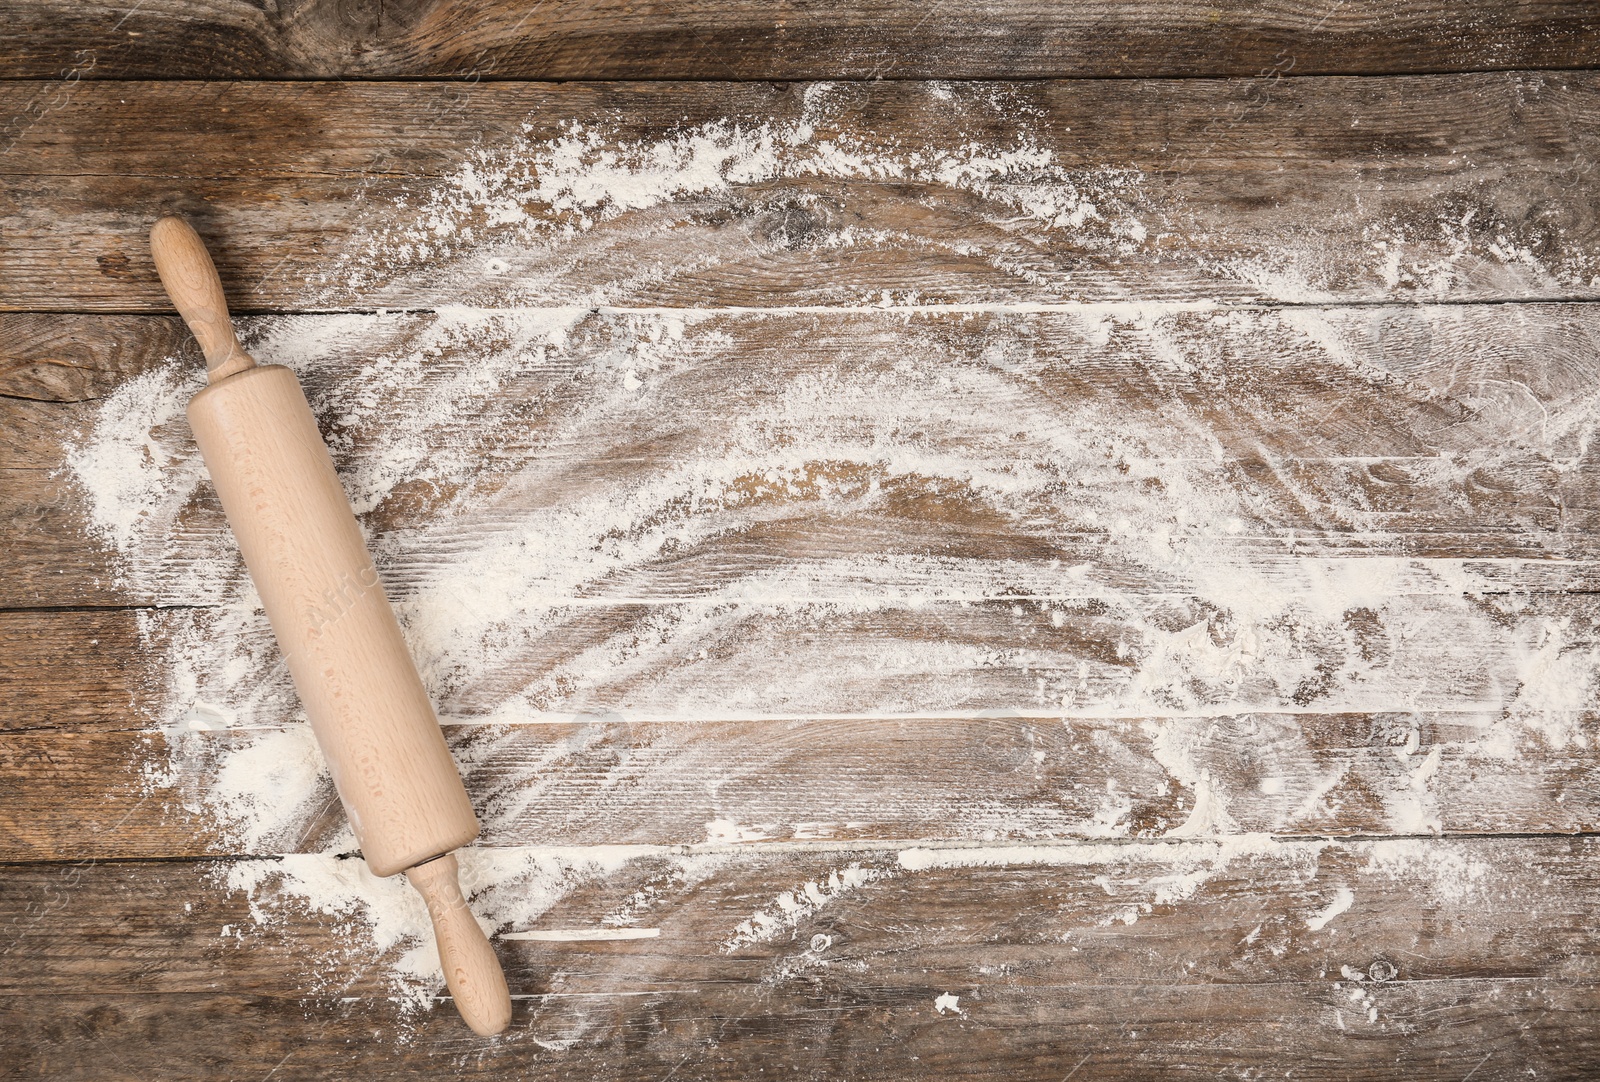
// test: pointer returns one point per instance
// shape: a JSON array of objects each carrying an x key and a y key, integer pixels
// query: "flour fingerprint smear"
[{"x": 1177, "y": 572}]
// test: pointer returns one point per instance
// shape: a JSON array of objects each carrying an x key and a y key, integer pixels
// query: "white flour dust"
[
  {"x": 1120, "y": 515},
  {"x": 508, "y": 209},
  {"x": 387, "y": 921},
  {"x": 793, "y": 906}
]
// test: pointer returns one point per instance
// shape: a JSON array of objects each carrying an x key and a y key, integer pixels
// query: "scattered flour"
[
  {"x": 1556, "y": 683},
  {"x": 509, "y": 887},
  {"x": 520, "y": 468},
  {"x": 1214, "y": 855},
  {"x": 1343, "y": 899},
  {"x": 122, "y": 466},
  {"x": 538, "y": 193},
  {"x": 140, "y": 473},
  {"x": 1455, "y": 878},
  {"x": 794, "y": 906}
]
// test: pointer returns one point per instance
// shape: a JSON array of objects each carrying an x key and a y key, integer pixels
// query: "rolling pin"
[{"x": 368, "y": 708}]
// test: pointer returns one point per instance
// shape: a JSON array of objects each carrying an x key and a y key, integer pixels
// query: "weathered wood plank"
[
  {"x": 111, "y": 795},
  {"x": 1124, "y": 958},
  {"x": 961, "y": 454},
  {"x": 1121, "y": 656},
  {"x": 729, "y": 1034},
  {"x": 1107, "y": 651},
  {"x": 73, "y": 669},
  {"x": 339, "y": 194},
  {"x": 1371, "y": 527},
  {"x": 942, "y": 594},
  {"x": 722, "y": 39},
  {"x": 56, "y": 358}
]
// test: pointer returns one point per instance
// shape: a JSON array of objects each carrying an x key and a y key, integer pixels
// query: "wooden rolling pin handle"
[
  {"x": 191, "y": 281},
  {"x": 470, "y": 967}
]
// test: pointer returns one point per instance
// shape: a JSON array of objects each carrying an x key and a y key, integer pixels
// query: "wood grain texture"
[
  {"x": 998, "y": 779},
  {"x": 1473, "y": 656},
  {"x": 48, "y": 358},
  {"x": 328, "y": 195},
  {"x": 1415, "y": 433},
  {"x": 190, "y": 280},
  {"x": 68, "y": 669},
  {"x": 963, "y": 680},
  {"x": 1058, "y": 959},
  {"x": 724, "y": 1033},
  {"x": 737, "y": 39}
]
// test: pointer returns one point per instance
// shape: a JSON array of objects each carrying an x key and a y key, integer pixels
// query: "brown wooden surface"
[
  {"x": 600, "y": 782},
  {"x": 310, "y": 188},
  {"x": 1367, "y": 479},
  {"x": 1047, "y": 975},
  {"x": 721, "y": 39},
  {"x": 1377, "y": 352}
]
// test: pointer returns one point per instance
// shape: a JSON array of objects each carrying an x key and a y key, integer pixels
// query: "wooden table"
[{"x": 1068, "y": 552}]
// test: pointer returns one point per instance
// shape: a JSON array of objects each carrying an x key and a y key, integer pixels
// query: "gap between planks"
[
  {"x": 598, "y": 602},
  {"x": 1151, "y": 847},
  {"x": 1199, "y": 304},
  {"x": 476, "y": 79}
]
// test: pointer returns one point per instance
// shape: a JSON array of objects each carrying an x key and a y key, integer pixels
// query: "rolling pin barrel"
[
  {"x": 367, "y": 705},
  {"x": 304, "y": 550}
]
